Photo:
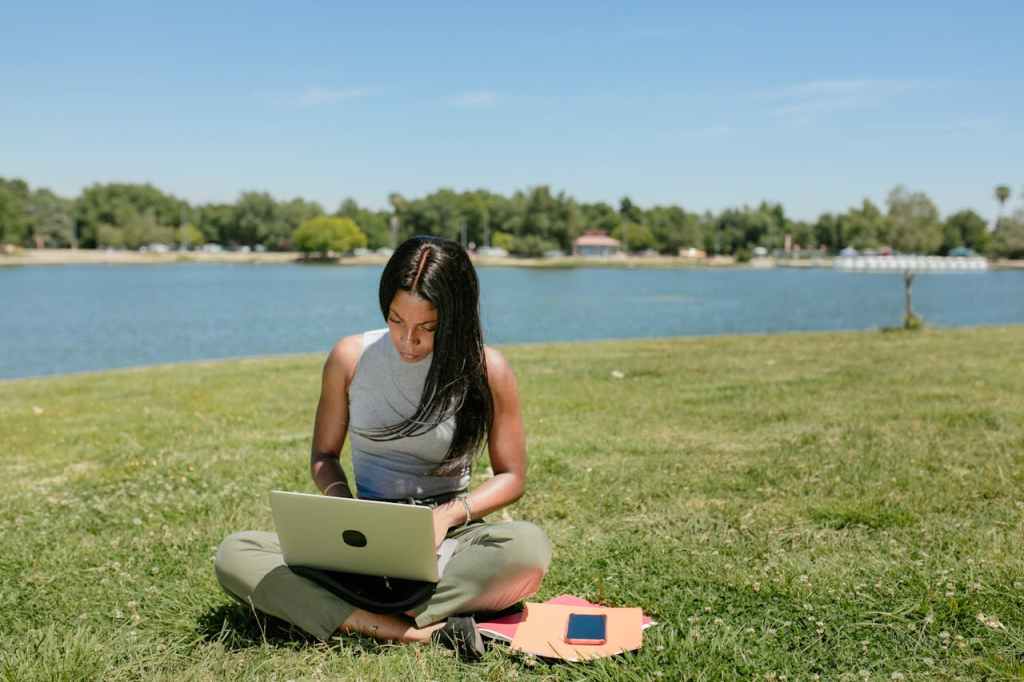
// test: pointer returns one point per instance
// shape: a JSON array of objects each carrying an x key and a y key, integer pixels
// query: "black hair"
[{"x": 439, "y": 271}]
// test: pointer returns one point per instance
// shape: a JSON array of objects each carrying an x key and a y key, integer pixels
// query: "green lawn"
[{"x": 849, "y": 505}]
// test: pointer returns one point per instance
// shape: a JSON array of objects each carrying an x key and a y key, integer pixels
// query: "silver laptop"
[{"x": 358, "y": 536}]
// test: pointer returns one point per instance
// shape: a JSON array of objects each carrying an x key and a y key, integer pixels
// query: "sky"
[{"x": 808, "y": 104}]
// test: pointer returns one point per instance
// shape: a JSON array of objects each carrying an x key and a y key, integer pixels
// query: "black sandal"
[{"x": 460, "y": 634}]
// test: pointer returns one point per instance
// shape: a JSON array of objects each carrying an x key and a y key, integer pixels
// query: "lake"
[{"x": 90, "y": 317}]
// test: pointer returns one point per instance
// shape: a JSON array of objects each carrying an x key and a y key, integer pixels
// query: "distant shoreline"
[{"x": 28, "y": 257}]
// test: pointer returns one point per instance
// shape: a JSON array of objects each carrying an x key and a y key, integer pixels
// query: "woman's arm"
[
  {"x": 331, "y": 422},
  {"x": 506, "y": 445}
]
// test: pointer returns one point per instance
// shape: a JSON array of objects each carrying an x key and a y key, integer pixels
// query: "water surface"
[{"x": 90, "y": 317}]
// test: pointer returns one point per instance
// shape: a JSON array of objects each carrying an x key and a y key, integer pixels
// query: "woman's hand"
[{"x": 445, "y": 516}]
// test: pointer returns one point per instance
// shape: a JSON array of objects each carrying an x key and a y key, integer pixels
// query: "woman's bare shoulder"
[
  {"x": 499, "y": 372},
  {"x": 344, "y": 356}
]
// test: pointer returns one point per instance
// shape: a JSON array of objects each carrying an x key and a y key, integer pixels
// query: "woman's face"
[{"x": 412, "y": 322}]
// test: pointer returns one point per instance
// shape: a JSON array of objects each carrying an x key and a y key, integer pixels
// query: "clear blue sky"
[{"x": 804, "y": 103}]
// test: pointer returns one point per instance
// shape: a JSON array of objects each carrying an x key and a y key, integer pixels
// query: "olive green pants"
[{"x": 494, "y": 566}]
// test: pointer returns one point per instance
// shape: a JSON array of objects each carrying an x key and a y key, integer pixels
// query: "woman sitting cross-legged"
[{"x": 418, "y": 400}]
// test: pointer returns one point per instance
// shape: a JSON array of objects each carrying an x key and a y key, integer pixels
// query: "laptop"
[{"x": 359, "y": 536}]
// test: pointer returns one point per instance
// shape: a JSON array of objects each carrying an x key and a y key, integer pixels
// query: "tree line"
[{"x": 528, "y": 223}]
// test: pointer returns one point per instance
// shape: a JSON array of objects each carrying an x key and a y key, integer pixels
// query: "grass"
[{"x": 845, "y": 505}]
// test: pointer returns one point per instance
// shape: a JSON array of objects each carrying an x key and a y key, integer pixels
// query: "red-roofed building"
[{"x": 596, "y": 243}]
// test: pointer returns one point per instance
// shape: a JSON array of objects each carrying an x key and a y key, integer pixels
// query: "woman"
[{"x": 418, "y": 400}]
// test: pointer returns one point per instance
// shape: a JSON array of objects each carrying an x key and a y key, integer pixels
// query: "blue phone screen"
[{"x": 585, "y": 626}]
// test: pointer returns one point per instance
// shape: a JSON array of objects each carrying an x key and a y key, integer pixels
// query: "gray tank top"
[{"x": 383, "y": 392}]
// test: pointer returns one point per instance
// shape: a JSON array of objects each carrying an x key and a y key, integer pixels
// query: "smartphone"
[{"x": 584, "y": 628}]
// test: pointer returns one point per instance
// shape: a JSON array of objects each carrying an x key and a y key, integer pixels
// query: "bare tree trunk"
[{"x": 908, "y": 315}]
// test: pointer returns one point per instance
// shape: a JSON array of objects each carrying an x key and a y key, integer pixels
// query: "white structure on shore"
[{"x": 910, "y": 263}]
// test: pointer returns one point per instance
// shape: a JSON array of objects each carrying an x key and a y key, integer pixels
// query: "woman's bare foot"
[{"x": 386, "y": 627}]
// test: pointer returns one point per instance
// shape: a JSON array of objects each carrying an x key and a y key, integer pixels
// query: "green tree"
[
  {"x": 116, "y": 203},
  {"x": 374, "y": 224},
  {"x": 293, "y": 214},
  {"x": 802, "y": 233},
  {"x": 14, "y": 218},
  {"x": 865, "y": 227},
  {"x": 109, "y": 236},
  {"x": 477, "y": 214},
  {"x": 914, "y": 222},
  {"x": 503, "y": 240},
  {"x": 746, "y": 228},
  {"x": 217, "y": 222},
  {"x": 635, "y": 237},
  {"x": 259, "y": 220},
  {"x": 531, "y": 246},
  {"x": 142, "y": 228},
  {"x": 325, "y": 234},
  {"x": 629, "y": 211},
  {"x": 436, "y": 214},
  {"x": 1008, "y": 237},
  {"x": 1002, "y": 193},
  {"x": 50, "y": 220},
  {"x": 965, "y": 228},
  {"x": 599, "y": 216},
  {"x": 828, "y": 231},
  {"x": 673, "y": 229},
  {"x": 189, "y": 236}
]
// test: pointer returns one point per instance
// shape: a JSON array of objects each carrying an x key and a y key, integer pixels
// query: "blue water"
[{"x": 76, "y": 318}]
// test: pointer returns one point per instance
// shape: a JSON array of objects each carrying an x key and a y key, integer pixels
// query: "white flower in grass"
[{"x": 991, "y": 622}]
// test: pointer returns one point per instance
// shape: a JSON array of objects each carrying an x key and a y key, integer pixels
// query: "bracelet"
[
  {"x": 328, "y": 488},
  {"x": 469, "y": 511}
]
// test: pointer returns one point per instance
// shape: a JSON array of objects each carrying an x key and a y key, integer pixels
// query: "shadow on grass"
[{"x": 235, "y": 626}]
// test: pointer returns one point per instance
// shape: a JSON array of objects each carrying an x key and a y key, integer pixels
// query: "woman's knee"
[
  {"x": 241, "y": 561},
  {"x": 529, "y": 547}
]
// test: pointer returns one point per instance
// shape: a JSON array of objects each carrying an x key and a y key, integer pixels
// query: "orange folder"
[{"x": 542, "y": 633}]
